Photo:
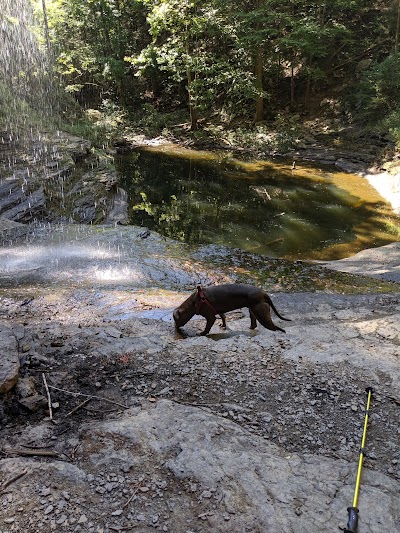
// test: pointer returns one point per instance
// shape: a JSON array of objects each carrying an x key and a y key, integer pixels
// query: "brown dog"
[{"x": 220, "y": 299}]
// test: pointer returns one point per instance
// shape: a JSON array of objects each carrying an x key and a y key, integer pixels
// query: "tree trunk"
[
  {"x": 308, "y": 89},
  {"x": 46, "y": 26},
  {"x": 396, "y": 40},
  {"x": 292, "y": 86},
  {"x": 192, "y": 108},
  {"x": 259, "y": 68}
]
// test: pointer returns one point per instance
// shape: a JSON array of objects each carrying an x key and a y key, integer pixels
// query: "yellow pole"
[
  {"x": 361, "y": 458},
  {"x": 353, "y": 511}
]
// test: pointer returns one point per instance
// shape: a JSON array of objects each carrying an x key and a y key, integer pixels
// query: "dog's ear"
[{"x": 177, "y": 313}]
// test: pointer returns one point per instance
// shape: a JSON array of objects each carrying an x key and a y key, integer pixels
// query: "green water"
[{"x": 262, "y": 208}]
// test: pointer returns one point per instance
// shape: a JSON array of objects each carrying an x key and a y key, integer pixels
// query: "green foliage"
[
  {"x": 278, "y": 137},
  {"x": 377, "y": 95},
  {"x": 100, "y": 126},
  {"x": 91, "y": 39},
  {"x": 394, "y": 228},
  {"x": 233, "y": 60},
  {"x": 391, "y": 124},
  {"x": 384, "y": 80},
  {"x": 153, "y": 121}
]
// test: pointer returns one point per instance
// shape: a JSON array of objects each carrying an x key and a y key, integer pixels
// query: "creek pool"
[{"x": 262, "y": 207}]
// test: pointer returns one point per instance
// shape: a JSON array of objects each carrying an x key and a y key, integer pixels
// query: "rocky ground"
[
  {"x": 111, "y": 421},
  {"x": 238, "y": 431}
]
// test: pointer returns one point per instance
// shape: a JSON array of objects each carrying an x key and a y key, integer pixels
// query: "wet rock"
[
  {"x": 11, "y": 230},
  {"x": 311, "y": 150},
  {"x": 9, "y": 361},
  {"x": 77, "y": 147},
  {"x": 33, "y": 191},
  {"x": 28, "y": 206},
  {"x": 346, "y": 165},
  {"x": 119, "y": 212},
  {"x": 10, "y": 193}
]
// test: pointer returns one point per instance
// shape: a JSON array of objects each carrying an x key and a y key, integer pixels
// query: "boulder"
[
  {"x": 28, "y": 206},
  {"x": 9, "y": 360}
]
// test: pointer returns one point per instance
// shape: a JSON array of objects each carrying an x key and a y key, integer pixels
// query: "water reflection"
[{"x": 259, "y": 207}]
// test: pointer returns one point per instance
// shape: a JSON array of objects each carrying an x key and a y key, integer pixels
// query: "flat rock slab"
[
  {"x": 256, "y": 484},
  {"x": 96, "y": 256},
  {"x": 9, "y": 360},
  {"x": 382, "y": 262},
  {"x": 180, "y": 468}
]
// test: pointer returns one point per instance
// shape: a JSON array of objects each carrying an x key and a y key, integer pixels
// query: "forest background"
[{"x": 209, "y": 66}]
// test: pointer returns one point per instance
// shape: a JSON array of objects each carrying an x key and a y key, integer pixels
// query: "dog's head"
[{"x": 185, "y": 311}]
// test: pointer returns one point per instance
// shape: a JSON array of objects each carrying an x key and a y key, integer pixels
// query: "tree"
[
  {"x": 91, "y": 38},
  {"x": 215, "y": 56},
  {"x": 176, "y": 29}
]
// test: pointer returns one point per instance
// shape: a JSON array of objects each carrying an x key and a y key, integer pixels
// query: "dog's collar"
[{"x": 203, "y": 300}]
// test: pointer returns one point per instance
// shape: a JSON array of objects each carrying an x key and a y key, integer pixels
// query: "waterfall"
[
  {"x": 29, "y": 96},
  {"x": 26, "y": 84}
]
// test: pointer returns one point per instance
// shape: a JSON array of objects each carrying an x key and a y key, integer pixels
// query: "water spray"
[{"x": 352, "y": 521}]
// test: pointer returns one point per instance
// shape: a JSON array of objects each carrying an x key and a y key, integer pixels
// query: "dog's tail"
[{"x": 269, "y": 302}]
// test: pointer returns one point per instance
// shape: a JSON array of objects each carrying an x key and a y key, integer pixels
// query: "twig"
[
  {"x": 75, "y": 450},
  {"x": 100, "y": 410},
  {"x": 41, "y": 453},
  {"x": 79, "y": 406},
  {"x": 123, "y": 528},
  {"x": 48, "y": 396},
  {"x": 190, "y": 404},
  {"x": 31, "y": 447},
  {"x": 91, "y": 396},
  {"x": 12, "y": 480},
  {"x": 63, "y": 431},
  {"x": 131, "y": 497}
]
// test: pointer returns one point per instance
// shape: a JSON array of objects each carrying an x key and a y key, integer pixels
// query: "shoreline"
[
  {"x": 381, "y": 263},
  {"x": 385, "y": 180}
]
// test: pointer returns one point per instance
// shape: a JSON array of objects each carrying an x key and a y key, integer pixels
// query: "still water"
[{"x": 259, "y": 206}]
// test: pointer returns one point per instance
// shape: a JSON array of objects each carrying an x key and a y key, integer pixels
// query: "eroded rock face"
[
  {"x": 9, "y": 360},
  {"x": 56, "y": 177},
  {"x": 10, "y": 230}
]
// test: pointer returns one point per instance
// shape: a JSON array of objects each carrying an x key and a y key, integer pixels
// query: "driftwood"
[
  {"x": 30, "y": 452},
  {"x": 48, "y": 396}
]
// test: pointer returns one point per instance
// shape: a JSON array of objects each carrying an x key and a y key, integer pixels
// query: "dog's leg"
[
  {"x": 223, "y": 325},
  {"x": 209, "y": 325},
  {"x": 263, "y": 314},
  {"x": 253, "y": 324}
]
